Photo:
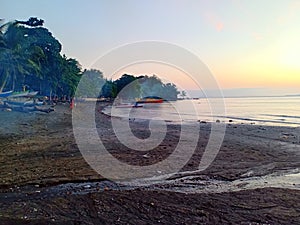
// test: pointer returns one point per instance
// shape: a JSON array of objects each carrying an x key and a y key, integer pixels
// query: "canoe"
[{"x": 5, "y": 94}]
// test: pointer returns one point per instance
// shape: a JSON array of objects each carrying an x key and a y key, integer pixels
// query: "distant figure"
[{"x": 72, "y": 104}]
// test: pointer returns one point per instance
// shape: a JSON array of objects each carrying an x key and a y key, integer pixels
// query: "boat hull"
[
  {"x": 24, "y": 104},
  {"x": 128, "y": 106},
  {"x": 32, "y": 94},
  {"x": 19, "y": 94},
  {"x": 5, "y": 94},
  {"x": 150, "y": 101}
]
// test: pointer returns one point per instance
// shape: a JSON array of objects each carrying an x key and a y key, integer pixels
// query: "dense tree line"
[
  {"x": 30, "y": 56},
  {"x": 153, "y": 86},
  {"x": 143, "y": 86},
  {"x": 126, "y": 87}
]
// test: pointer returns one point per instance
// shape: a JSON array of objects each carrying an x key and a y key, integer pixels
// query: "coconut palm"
[{"x": 30, "y": 55}]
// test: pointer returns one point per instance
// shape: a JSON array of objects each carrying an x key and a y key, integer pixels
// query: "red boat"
[{"x": 150, "y": 99}]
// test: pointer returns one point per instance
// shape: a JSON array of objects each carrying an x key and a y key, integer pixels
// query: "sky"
[{"x": 246, "y": 44}]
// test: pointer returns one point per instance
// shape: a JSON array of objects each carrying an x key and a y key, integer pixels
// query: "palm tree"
[
  {"x": 30, "y": 55},
  {"x": 12, "y": 60},
  {"x": 18, "y": 58}
]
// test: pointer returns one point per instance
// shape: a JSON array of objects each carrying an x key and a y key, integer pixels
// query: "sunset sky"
[{"x": 245, "y": 43}]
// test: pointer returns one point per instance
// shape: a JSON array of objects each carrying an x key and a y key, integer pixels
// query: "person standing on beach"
[{"x": 72, "y": 104}]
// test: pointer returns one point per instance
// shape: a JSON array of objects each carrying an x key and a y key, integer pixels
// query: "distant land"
[{"x": 245, "y": 92}]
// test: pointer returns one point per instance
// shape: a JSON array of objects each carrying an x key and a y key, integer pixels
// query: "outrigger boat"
[
  {"x": 32, "y": 93},
  {"x": 23, "y": 94},
  {"x": 19, "y": 94},
  {"x": 23, "y": 103},
  {"x": 5, "y": 94}
]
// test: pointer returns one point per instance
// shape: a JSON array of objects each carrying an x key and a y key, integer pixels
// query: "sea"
[{"x": 270, "y": 111}]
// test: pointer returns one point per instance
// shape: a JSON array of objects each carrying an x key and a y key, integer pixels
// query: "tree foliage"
[
  {"x": 130, "y": 87},
  {"x": 127, "y": 87},
  {"x": 153, "y": 86},
  {"x": 91, "y": 83},
  {"x": 30, "y": 56}
]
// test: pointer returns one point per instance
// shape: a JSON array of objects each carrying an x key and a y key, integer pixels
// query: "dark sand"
[{"x": 45, "y": 180}]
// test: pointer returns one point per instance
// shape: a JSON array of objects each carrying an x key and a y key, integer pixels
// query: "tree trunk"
[{"x": 4, "y": 82}]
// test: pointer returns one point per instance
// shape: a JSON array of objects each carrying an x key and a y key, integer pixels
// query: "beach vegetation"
[{"x": 31, "y": 58}]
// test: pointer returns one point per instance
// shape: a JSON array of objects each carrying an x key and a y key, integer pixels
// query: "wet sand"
[{"x": 45, "y": 180}]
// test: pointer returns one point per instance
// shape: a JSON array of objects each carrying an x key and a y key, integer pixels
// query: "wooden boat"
[
  {"x": 19, "y": 94},
  {"x": 28, "y": 94},
  {"x": 28, "y": 109},
  {"x": 129, "y": 106},
  {"x": 33, "y": 103},
  {"x": 5, "y": 94},
  {"x": 27, "y": 103},
  {"x": 150, "y": 99},
  {"x": 32, "y": 93}
]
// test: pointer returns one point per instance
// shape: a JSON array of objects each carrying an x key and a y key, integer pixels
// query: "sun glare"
[{"x": 291, "y": 58}]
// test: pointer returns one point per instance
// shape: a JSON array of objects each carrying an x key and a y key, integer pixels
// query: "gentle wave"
[
  {"x": 284, "y": 116},
  {"x": 260, "y": 120},
  {"x": 264, "y": 111}
]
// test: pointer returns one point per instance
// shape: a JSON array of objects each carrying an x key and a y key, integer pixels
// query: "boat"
[
  {"x": 150, "y": 99},
  {"x": 28, "y": 94},
  {"x": 19, "y": 94},
  {"x": 33, "y": 103},
  {"x": 129, "y": 106},
  {"x": 32, "y": 93},
  {"x": 5, "y": 94},
  {"x": 27, "y": 103}
]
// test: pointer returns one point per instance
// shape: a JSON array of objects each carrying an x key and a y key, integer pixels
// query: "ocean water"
[{"x": 278, "y": 111}]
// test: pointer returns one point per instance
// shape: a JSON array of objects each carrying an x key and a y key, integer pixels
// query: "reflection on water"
[{"x": 284, "y": 111}]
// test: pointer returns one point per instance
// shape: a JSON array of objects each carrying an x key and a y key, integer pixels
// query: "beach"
[{"x": 254, "y": 178}]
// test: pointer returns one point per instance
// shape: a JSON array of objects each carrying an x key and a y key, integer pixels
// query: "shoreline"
[
  {"x": 47, "y": 128},
  {"x": 38, "y": 154},
  {"x": 228, "y": 119}
]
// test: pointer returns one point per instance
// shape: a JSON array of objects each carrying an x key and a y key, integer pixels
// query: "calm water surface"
[{"x": 283, "y": 111}]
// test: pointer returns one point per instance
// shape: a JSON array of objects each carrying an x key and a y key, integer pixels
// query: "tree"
[
  {"x": 153, "y": 86},
  {"x": 91, "y": 83},
  {"x": 30, "y": 55},
  {"x": 128, "y": 87},
  {"x": 71, "y": 74},
  {"x": 183, "y": 94},
  {"x": 13, "y": 64},
  {"x": 109, "y": 90},
  {"x": 170, "y": 92},
  {"x": 33, "y": 22}
]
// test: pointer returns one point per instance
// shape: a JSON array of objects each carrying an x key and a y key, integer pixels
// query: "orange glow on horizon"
[{"x": 245, "y": 74}]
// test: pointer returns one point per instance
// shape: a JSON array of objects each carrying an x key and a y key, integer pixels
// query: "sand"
[{"x": 45, "y": 180}]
